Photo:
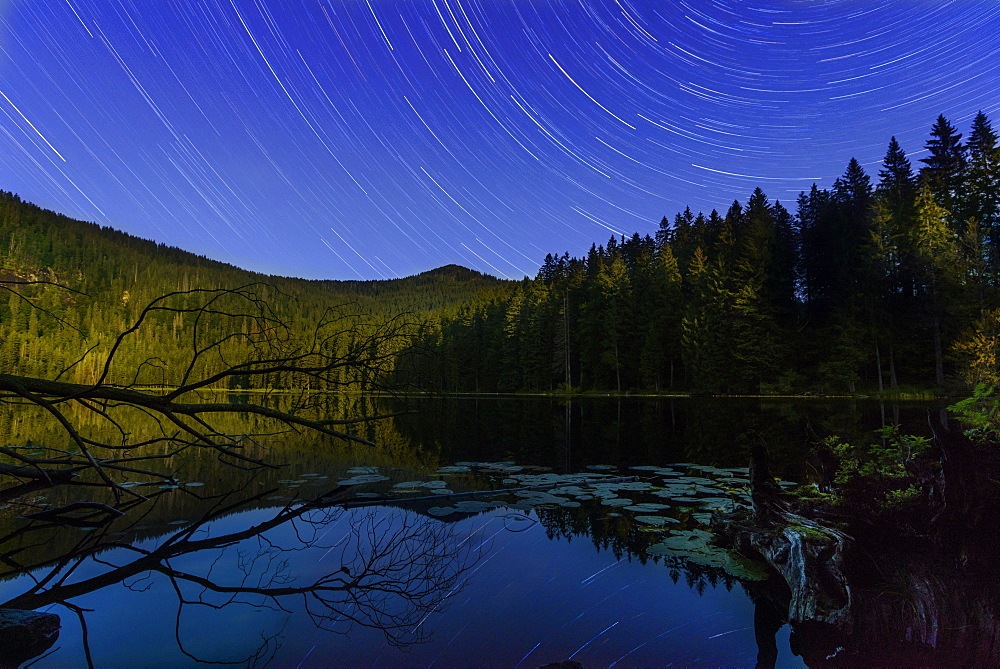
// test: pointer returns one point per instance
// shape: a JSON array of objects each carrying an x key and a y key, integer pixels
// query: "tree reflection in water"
[{"x": 387, "y": 569}]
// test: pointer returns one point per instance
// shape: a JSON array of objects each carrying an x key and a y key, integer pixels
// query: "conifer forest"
[{"x": 884, "y": 281}]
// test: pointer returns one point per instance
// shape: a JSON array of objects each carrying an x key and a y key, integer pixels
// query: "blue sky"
[{"x": 376, "y": 138}]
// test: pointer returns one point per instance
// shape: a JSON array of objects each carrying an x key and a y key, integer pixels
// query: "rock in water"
[{"x": 25, "y": 634}]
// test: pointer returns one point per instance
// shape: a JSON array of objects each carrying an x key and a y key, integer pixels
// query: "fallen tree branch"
[{"x": 235, "y": 337}]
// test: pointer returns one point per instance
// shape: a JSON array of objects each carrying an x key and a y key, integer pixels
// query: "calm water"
[{"x": 270, "y": 568}]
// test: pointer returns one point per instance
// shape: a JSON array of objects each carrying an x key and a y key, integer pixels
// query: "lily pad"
[
  {"x": 405, "y": 485},
  {"x": 363, "y": 470},
  {"x": 475, "y": 506},
  {"x": 658, "y": 521},
  {"x": 744, "y": 568},
  {"x": 543, "y": 479},
  {"x": 660, "y": 550},
  {"x": 567, "y": 490},
  {"x": 697, "y": 480},
  {"x": 539, "y": 494},
  {"x": 441, "y": 510},
  {"x": 687, "y": 540},
  {"x": 717, "y": 503},
  {"x": 647, "y": 507},
  {"x": 363, "y": 478},
  {"x": 707, "y": 468},
  {"x": 635, "y": 485}
]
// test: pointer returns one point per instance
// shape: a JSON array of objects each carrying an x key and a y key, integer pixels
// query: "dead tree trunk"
[{"x": 809, "y": 556}]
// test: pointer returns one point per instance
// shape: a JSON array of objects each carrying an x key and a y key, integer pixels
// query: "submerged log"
[{"x": 808, "y": 555}]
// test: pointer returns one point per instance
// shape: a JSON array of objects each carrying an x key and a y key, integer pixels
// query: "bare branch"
[{"x": 235, "y": 340}]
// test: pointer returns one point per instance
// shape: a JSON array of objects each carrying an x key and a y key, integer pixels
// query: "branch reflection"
[{"x": 387, "y": 569}]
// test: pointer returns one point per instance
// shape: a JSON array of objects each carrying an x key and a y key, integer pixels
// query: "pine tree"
[
  {"x": 897, "y": 183},
  {"x": 813, "y": 266},
  {"x": 615, "y": 291},
  {"x": 981, "y": 192},
  {"x": 937, "y": 254},
  {"x": 684, "y": 237},
  {"x": 854, "y": 187},
  {"x": 658, "y": 365},
  {"x": 782, "y": 280},
  {"x": 945, "y": 166}
]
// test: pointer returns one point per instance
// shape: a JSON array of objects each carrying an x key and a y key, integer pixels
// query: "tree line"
[
  {"x": 876, "y": 283},
  {"x": 871, "y": 284}
]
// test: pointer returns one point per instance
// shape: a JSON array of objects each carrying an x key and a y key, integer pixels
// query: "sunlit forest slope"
[{"x": 112, "y": 275}]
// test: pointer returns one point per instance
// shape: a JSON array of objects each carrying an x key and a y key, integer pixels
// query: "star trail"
[{"x": 376, "y": 139}]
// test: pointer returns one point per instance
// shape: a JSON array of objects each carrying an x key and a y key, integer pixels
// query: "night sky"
[{"x": 377, "y": 138}]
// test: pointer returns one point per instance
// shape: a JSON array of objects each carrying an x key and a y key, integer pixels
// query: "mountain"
[
  {"x": 38, "y": 242},
  {"x": 111, "y": 275}
]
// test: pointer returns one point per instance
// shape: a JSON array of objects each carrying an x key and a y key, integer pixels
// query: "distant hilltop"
[
  {"x": 20, "y": 217},
  {"x": 104, "y": 262},
  {"x": 456, "y": 272}
]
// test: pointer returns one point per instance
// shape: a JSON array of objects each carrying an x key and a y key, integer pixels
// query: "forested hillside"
[
  {"x": 112, "y": 275},
  {"x": 870, "y": 285},
  {"x": 866, "y": 286}
]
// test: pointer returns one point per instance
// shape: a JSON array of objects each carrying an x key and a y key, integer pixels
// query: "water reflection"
[
  {"x": 570, "y": 434},
  {"x": 204, "y": 576},
  {"x": 343, "y": 568}
]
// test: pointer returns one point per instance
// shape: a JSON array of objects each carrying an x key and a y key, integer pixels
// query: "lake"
[{"x": 355, "y": 556}]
